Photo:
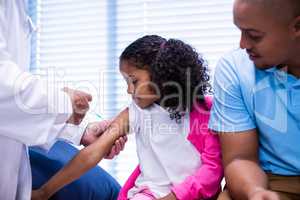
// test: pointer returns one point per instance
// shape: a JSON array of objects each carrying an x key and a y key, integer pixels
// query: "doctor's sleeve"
[{"x": 31, "y": 112}]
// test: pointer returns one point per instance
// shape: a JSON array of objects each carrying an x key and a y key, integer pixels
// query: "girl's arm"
[
  {"x": 205, "y": 182},
  {"x": 86, "y": 158}
]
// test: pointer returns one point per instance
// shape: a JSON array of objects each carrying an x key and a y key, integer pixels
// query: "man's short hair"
[{"x": 278, "y": 6}]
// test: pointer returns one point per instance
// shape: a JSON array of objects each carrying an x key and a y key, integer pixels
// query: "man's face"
[{"x": 266, "y": 38}]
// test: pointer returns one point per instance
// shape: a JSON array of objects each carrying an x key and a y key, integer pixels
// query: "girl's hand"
[
  {"x": 38, "y": 195},
  {"x": 170, "y": 196}
]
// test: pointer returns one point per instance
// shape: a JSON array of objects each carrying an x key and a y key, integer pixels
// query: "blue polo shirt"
[{"x": 268, "y": 100}]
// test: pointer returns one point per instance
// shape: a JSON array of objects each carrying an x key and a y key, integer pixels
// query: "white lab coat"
[{"x": 28, "y": 114}]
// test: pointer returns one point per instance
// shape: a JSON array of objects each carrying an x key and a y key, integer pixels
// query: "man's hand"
[
  {"x": 94, "y": 130},
  {"x": 263, "y": 194},
  {"x": 170, "y": 196},
  {"x": 38, "y": 195},
  {"x": 80, "y": 104},
  {"x": 117, "y": 148}
]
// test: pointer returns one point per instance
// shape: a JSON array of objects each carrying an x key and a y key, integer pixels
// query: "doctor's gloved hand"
[
  {"x": 95, "y": 129},
  {"x": 80, "y": 104}
]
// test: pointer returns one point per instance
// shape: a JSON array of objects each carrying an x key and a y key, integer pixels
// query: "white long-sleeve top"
[
  {"x": 31, "y": 113},
  {"x": 158, "y": 139}
]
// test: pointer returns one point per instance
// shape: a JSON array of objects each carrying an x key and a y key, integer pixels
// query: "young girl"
[{"x": 178, "y": 156}]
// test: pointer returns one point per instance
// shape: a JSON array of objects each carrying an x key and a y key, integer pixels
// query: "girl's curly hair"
[{"x": 178, "y": 71}]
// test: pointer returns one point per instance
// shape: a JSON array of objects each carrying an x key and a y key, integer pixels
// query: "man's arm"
[
  {"x": 233, "y": 118},
  {"x": 86, "y": 159},
  {"x": 244, "y": 177}
]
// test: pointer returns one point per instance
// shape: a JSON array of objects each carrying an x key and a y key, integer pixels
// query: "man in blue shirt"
[{"x": 256, "y": 107}]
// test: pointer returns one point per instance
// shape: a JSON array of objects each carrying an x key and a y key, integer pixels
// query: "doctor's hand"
[
  {"x": 80, "y": 104},
  {"x": 95, "y": 129}
]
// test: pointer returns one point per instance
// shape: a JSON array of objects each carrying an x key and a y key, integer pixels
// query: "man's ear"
[{"x": 296, "y": 26}]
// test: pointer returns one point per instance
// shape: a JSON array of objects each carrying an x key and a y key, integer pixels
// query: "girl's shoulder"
[
  {"x": 203, "y": 107},
  {"x": 208, "y": 101},
  {"x": 199, "y": 117}
]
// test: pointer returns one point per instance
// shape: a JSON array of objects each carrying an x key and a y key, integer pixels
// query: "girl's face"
[{"x": 139, "y": 84}]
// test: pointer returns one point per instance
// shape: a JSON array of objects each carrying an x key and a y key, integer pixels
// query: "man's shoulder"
[
  {"x": 237, "y": 65},
  {"x": 237, "y": 53},
  {"x": 238, "y": 58}
]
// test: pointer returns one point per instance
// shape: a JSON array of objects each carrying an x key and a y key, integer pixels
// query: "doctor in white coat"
[{"x": 29, "y": 115}]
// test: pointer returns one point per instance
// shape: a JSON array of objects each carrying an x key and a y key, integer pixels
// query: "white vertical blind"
[
  {"x": 206, "y": 25},
  {"x": 72, "y": 45},
  {"x": 83, "y": 39}
]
